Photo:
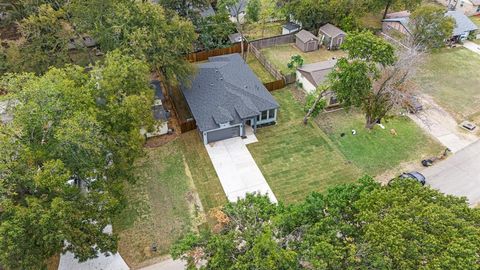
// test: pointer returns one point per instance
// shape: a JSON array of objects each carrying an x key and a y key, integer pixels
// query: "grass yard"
[
  {"x": 163, "y": 204},
  {"x": 451, "y": 77},
  {"x": 258, "y": 69},
  {"x": 297, "y": 159},
  {"x": 378, "y": 150},
  {"x": 280, "y": 55},
  {"x": 253, "y": 31},
  {"x": 202, "y": 171}
]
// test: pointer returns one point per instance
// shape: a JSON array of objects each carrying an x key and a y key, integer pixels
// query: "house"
[
  {"x": 225, "y": 97},
  {"x": 160, "y": 114},
  {"x": 238, "y": 11},
  {"x": 290, "y": 27},
  {"x": 331, "y": 36},
  {"x": 235, "y": 38},
  {"x": 310, "y": 76},
  {"x": 306, "y": 41},
  {"x": 467, "y": 7},
  {"x": 463, "y": 26},
  {"x": 399, "y": 21}
]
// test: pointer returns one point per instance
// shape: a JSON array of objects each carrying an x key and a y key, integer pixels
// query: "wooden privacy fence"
[
  {"x": 257, "y": 45},
  {"x": 273, "y": 41},
  {"x": 204, "y": 55},
  {"x": 275, "y": 85}
]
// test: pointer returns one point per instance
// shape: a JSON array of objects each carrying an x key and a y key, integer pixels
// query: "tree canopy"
[
  {"x": 72, "y": 131},
  {"x": 361, "y": 225},
  {"x": 373, "y": 76},
  {"x": 430, "y": 27}
]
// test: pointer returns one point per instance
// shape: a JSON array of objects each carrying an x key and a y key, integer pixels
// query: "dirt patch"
[
  {"x": 298, "y": 94},
  {"x": 193, "y": 199},
  {"x": 10, "y": 32},
  {"x": 160, "y": 140}
]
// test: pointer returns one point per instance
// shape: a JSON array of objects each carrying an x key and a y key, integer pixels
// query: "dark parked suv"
[{"x": 412, "y": 175}]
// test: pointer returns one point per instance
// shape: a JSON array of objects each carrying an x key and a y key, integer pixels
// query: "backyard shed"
[
  {"x": 331, "y": 36},
  {"x": 290, "y": 27},
  {"x": 306, "y": 41}
]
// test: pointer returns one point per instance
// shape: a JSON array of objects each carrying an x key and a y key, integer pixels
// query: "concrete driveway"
[
  {"x": 471, "y": 46},
  {"x": 441, "y": 125},
  {"x": 458, "y": 175},
  {"x": 236, "y": 168}
]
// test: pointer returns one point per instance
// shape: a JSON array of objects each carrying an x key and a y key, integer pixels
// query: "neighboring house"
[
  {"x": 463, "y": 26},
  {"x": 225, "y": 96},
  {"x": 239, "y": 11},
  {"x": 235, "y": 37},
  {"x": 290, "y": 27},
  {"x": 331, "y": 36},
  {"x": 310, "y": 76},
  {"x": 306, "y": 41},
  {"x": 399, "y": 21},
  {"x": 160, "y": 115},
  {"x": 467, "y": 7}
]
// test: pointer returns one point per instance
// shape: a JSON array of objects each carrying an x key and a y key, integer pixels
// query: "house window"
[
  {"x": 264, "y": 115},
  {"x": 271, "y": 114},
  {"x": 478, "y": 9}
]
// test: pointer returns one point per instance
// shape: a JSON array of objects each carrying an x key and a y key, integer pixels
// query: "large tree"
[
  {"x": 44, "y": 43},
  {"x": 64, "y": 157},
  {"x": 386, "y": 5},
  {"x": 430, "y": 28},
  {"x": 141, "y": 28},
  {"x": 214, "y": 30},
  {"x": 372, "y": 77},
  {"x": 361, "y": 225}
]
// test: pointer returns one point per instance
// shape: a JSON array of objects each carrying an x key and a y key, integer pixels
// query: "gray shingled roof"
[
  {"x": 305, "y": 36},
  {"x": 331, "y": 30},
  {"x": 226, "y": 90},
  {"x": 291, "y": 26},
  {"x": 316, "y": 73},
  {"x": 463, "y": 23}
]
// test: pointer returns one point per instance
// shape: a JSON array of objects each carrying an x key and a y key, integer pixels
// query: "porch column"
[{"x": 255, "y": 125}]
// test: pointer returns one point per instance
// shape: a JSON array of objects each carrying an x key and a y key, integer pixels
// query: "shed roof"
[
  {"x": 316, "y": 73},
  {"x": 235, "y": 37},
  {"x": 291, "y": 26},
  {"x": 225, "y": 90},
  {"x": 305, "y": 36},
  {"x": 462, "y": 23},
  {"x": 331, "y": 30}
]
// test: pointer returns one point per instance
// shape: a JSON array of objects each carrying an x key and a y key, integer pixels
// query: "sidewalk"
[
  {"x": 472, "y": 46},
  {"x": 441, "y": 125}
]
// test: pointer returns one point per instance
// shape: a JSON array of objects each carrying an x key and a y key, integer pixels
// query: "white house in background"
[
  {"x": 239, "y": 10},
  {"x": 467, "y": 7},
  {"x": 160, "y": 115},
  {"x": 310, "y": 76}
]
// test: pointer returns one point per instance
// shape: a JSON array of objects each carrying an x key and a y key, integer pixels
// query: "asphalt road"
[{"x": 458, "y": 175}]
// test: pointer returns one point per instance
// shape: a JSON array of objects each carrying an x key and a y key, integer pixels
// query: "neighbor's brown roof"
[
  {"x": 316, "y": 73},
  {"x": 331, "y": 30},
  {"x": 305, "y": 36}
]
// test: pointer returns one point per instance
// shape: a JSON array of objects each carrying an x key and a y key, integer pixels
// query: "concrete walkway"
[
  {"x": 458, "y": 175},
  {"x": 440, "y": 124},
  {"x": 102, "y": 262},
  {"x": 236, "y": 168},
  {"x": 168, "y": 264},
  {"x": 471, "y": 46}
]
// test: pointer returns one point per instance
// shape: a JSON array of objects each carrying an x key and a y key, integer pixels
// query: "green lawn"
[
  {"x": 157, "y": 209},
  {"x": 476, "y": 20},
  {"x": 202, "y": 171},
  {"x": 162, "y": 205},
  {"x": 377, "y": 151},
  {"x": 253, "y": 31},
  {"x": 297, "y": 159},
  {"x": 258, "y": 69},
  {"x": 280, "y": 55},
  {"x": 451, "y": 76}
]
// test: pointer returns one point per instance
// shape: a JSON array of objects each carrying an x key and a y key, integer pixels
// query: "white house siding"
[{"x": 306, "y": 84}]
